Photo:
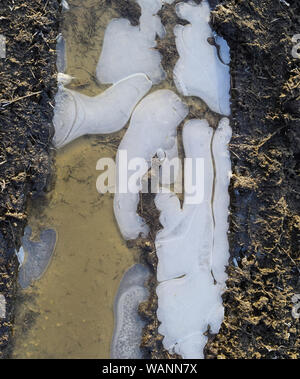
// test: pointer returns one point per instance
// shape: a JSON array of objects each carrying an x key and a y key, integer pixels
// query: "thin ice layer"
[
  {"x": 169, "y": 171},
  {"x": 191, "y": 228},
  {"x": 76, "y": 114},
  {"x": 153, "y": 128},
  {"x": 128, "y": 49},
  {"x": 37, "y": 256},
  {"x": 186, "y": 307},
  {"x": 2, "y": 306},
  {"x": 221, "y": 203},
  {"x": 61, "y": 60},
  {"x": 128, "y": 324},
  {"x": 193, "y": 248},
  {"x": 199, "y": 72}
]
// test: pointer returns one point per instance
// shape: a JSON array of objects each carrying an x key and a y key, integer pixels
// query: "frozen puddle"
[
  {"x": 199, "y": 72},
  {"x": 130, "y": 49},
  {"x": 192, "y": 247}
]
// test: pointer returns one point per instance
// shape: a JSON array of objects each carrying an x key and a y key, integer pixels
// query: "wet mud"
[
  {"x": 27, "y": 89},
  {"x": 264, "y": 222}
]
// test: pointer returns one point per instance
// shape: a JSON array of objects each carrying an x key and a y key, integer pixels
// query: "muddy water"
[
  {"x": 84, "y": 29},
  {"x": 73, "y": 302},
  {"x": 68, "y": 313}
]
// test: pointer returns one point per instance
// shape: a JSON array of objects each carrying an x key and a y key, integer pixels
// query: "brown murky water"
[
  {"x": 68, "y": 313},
  {"x": 72, "y": 304},
  {"x": 84, "y": 29}
]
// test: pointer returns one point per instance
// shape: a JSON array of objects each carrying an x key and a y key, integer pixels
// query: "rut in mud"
[
  {"x": 27, "y": 89},
  {"x": 265, "y": 188}
]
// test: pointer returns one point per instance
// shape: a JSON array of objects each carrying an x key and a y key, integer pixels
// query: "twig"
[{"x": 5, "y": 103}]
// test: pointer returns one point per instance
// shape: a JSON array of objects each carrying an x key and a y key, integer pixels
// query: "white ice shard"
[
  {"x": 64, "y": 79},
  {"x": 193, "y": 249},
  {"x": 221, "y": 201},
  {"x": 2, "y": 306},
  {"x": 65, "y": 5},
  {"x": 153, "y": 127},
  {"x": 128, "y": 324},
  {"x": 199, "y": 72},
  {"x": 21, "y": 256},
  {"x": 76, "y": 114},
  {"x": 128, "y": 49},
  {"x": 61, "y": 60},
  {"x": 224, "y": 49}
]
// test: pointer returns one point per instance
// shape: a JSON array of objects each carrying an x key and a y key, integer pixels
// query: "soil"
[
  {"x": 265, "y": 188},
  {"x": 27, "y": 89}
]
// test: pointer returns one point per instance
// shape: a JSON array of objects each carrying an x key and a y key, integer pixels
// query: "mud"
[
  {"x": 27, "y": 88},
  {"x": 264, "y": 221}
]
